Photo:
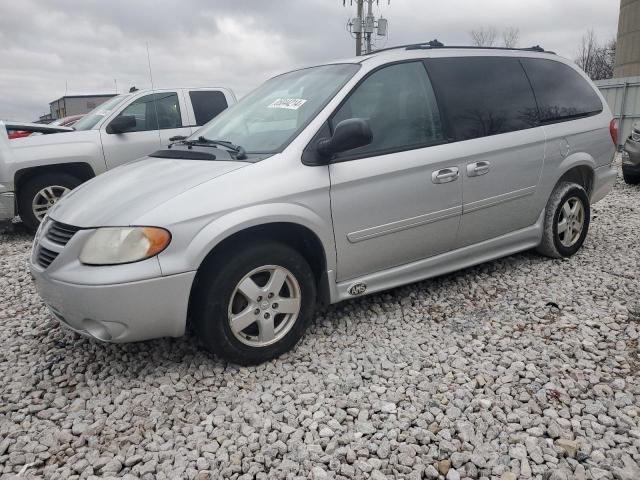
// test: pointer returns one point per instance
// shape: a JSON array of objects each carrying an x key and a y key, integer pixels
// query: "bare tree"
[
  {"x": 596, "y": 59},
  {"x": 488, "y": 37},
  {"x": 484, "y": 37},
  {"x": 510, "y": 37}
]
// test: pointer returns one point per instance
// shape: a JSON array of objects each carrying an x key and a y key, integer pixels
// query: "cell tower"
[{"x": 362, "y": 27}]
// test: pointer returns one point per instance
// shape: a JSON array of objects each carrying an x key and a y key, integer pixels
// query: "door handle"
[
  {"x": 445, "y": 175},
  {"x": 478, "y": 168}
]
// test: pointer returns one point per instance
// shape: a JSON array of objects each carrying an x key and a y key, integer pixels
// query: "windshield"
[
  {"x": 267, "y": 119},
  {"x": 94, "y": 116}
]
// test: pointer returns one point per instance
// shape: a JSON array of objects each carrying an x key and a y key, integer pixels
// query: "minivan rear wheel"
[
  {"x": 566, "y": 221},
  {"x": 39, "y": 194},
  {"x": 255, "y": 304}
]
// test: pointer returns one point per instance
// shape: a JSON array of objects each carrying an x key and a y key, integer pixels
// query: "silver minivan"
[{"x": 328, "y": 183}]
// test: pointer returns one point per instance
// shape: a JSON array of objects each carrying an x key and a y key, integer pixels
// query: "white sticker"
[
  {"x": 102, "y": 113},
  {"x": 288, "y": 103}
]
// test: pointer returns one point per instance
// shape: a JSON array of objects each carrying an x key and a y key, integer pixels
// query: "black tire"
[
  {"x": 30, "y": 189},
  {"x": 216, "y": 284},
  {"x": 630, "y": 178},
  {"x": 551, "y": 245}
]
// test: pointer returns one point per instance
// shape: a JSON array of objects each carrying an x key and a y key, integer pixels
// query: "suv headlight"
[{"x": 116, "y": 245}]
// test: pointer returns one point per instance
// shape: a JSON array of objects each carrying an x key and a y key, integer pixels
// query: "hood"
[
  {"x": 39, "y": 146},
  {"x": 122, "y": 195}
]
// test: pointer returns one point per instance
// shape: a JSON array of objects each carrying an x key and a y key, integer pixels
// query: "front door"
[
  {"x": 493, "y": 118},
  {"x": 157, "y": 118},
  {"x": 398, "y": 199}
]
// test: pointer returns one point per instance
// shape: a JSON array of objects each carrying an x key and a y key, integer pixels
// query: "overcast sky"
[{"x": 238, "y": 43}]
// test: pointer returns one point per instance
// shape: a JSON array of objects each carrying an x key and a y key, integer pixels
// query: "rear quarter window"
[
  {"x": 483, "y": 96},
  {"x": 207, "y": 104},
  {"x": 561, "y": 92}
]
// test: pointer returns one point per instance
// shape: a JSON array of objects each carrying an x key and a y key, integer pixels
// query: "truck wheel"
[
  {"x": 630, "y": 178},
  {"x": 254, "y": 304},
  {"x": 566, "y": 221},
  {"x": 40, "y": 193}
]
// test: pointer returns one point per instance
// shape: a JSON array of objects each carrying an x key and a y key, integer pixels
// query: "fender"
[
  {"x": 189, "y": 257},
  {"x": 58, "y": 149},
  {"x": 577, "y": 159}
]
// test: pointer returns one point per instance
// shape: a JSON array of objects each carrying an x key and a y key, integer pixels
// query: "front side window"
[
  {"x": 157, "y": 110},
  {"x": 561, "y": 92},
  {"x": 268, "y": 118},
  {"x": 207, "y": 104},
  {"x": 400, "y": 106},
  {"x": 483, "y": 96}
]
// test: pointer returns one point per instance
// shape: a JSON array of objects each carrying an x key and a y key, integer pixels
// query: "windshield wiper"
[{"x": 240, "y": 152}]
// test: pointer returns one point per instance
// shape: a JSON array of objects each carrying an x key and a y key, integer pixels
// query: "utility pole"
[
  {"x": 366, "y": 25},
  {"x": 359, "y": 30}
]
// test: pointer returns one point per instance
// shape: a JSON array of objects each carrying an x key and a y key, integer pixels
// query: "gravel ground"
[{"x": 523, "y": 367}]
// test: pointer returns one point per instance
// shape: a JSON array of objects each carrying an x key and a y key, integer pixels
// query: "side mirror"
[
  {"x": 122, "y": 124},
  {"x": 349, "y": 134}
]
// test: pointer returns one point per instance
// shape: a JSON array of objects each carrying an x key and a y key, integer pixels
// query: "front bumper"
[
  {"x": 123, "y": 312},
  {"x": 7, "y": 206}
]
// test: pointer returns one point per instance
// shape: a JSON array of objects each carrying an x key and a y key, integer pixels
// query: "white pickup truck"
[{"x": 42, "y": 168}]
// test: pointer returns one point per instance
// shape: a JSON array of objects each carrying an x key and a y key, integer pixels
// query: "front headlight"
[{"x": 114, "y": 245}]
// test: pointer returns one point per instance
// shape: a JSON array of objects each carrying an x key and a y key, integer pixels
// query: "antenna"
[{"x": 155, "y": 100}]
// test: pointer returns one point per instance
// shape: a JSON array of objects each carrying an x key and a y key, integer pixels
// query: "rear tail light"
[{"x": 613, "y": 130}]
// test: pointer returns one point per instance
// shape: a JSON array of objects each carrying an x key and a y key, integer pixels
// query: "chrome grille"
[
  {"x": 44, "y": 256},
  {"x": 60, "y": 233}
]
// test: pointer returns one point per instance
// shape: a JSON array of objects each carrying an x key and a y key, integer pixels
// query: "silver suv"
[{"x": 325, "y": 184}]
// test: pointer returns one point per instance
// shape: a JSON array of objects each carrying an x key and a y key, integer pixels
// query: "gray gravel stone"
[{"x": 523, "y": 367}]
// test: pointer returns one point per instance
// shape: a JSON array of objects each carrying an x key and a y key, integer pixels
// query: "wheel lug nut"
[
  {"x": 270, "y": 295},
  {"x": 266, "y": 315},
  {"x": 259, "y": 299},
  {"x": 274, "y": 306},
  {"x": 256, "y": 311}
]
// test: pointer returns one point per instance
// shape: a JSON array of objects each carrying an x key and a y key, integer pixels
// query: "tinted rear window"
[
  {"x": 561, "y": 92},
  {"x": 207, "y": 104},
  {"x": 483, "y": 96}
]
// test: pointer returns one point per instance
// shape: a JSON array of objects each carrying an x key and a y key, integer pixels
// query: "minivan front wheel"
[
  {"x": 566, "y": 221},
  {"x": 254, "y": 304}
]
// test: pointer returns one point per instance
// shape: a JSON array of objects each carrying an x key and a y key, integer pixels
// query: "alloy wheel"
[
  {"x": 264, "y": 306},
  {"x": 571, "y": 221},
  {"x": 47, "y": 198}
]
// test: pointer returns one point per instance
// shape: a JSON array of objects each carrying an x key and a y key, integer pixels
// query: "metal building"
[
  {"x": 76, "y": 104},
  {"x": 628, "y": 46}
]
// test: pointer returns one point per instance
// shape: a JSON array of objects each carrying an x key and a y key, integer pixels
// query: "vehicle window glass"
[
  {"x": 207, "y": 104},
  {"x": 144, "y": 111},
  {"x": 483, "y": 96},
  {"x": 267, "y": 119},
  {"x": 561, "y": 92},
  {"x": 400, "y": 106}
]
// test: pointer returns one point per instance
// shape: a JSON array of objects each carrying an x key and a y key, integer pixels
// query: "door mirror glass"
[
  {"x": 349, "y": 134},
  {"x": 122, "y": 124}
]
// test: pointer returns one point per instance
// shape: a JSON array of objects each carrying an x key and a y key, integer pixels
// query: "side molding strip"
[{"x": 367, "y": 233}]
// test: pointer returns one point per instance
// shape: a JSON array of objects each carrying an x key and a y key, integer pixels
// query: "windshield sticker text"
[{"x": 288, "y": 103}]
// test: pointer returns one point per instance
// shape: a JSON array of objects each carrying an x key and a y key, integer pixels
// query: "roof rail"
[{"x": 437, "y": 44}]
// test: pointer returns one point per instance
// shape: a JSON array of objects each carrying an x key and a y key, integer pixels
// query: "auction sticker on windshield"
[{"x": 288, "y": 103}]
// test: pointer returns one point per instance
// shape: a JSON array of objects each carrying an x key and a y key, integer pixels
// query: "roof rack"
[{"x": 437, "y": 44}]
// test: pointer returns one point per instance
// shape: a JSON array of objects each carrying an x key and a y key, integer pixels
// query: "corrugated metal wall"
[{"x": 623, "y": 97}]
